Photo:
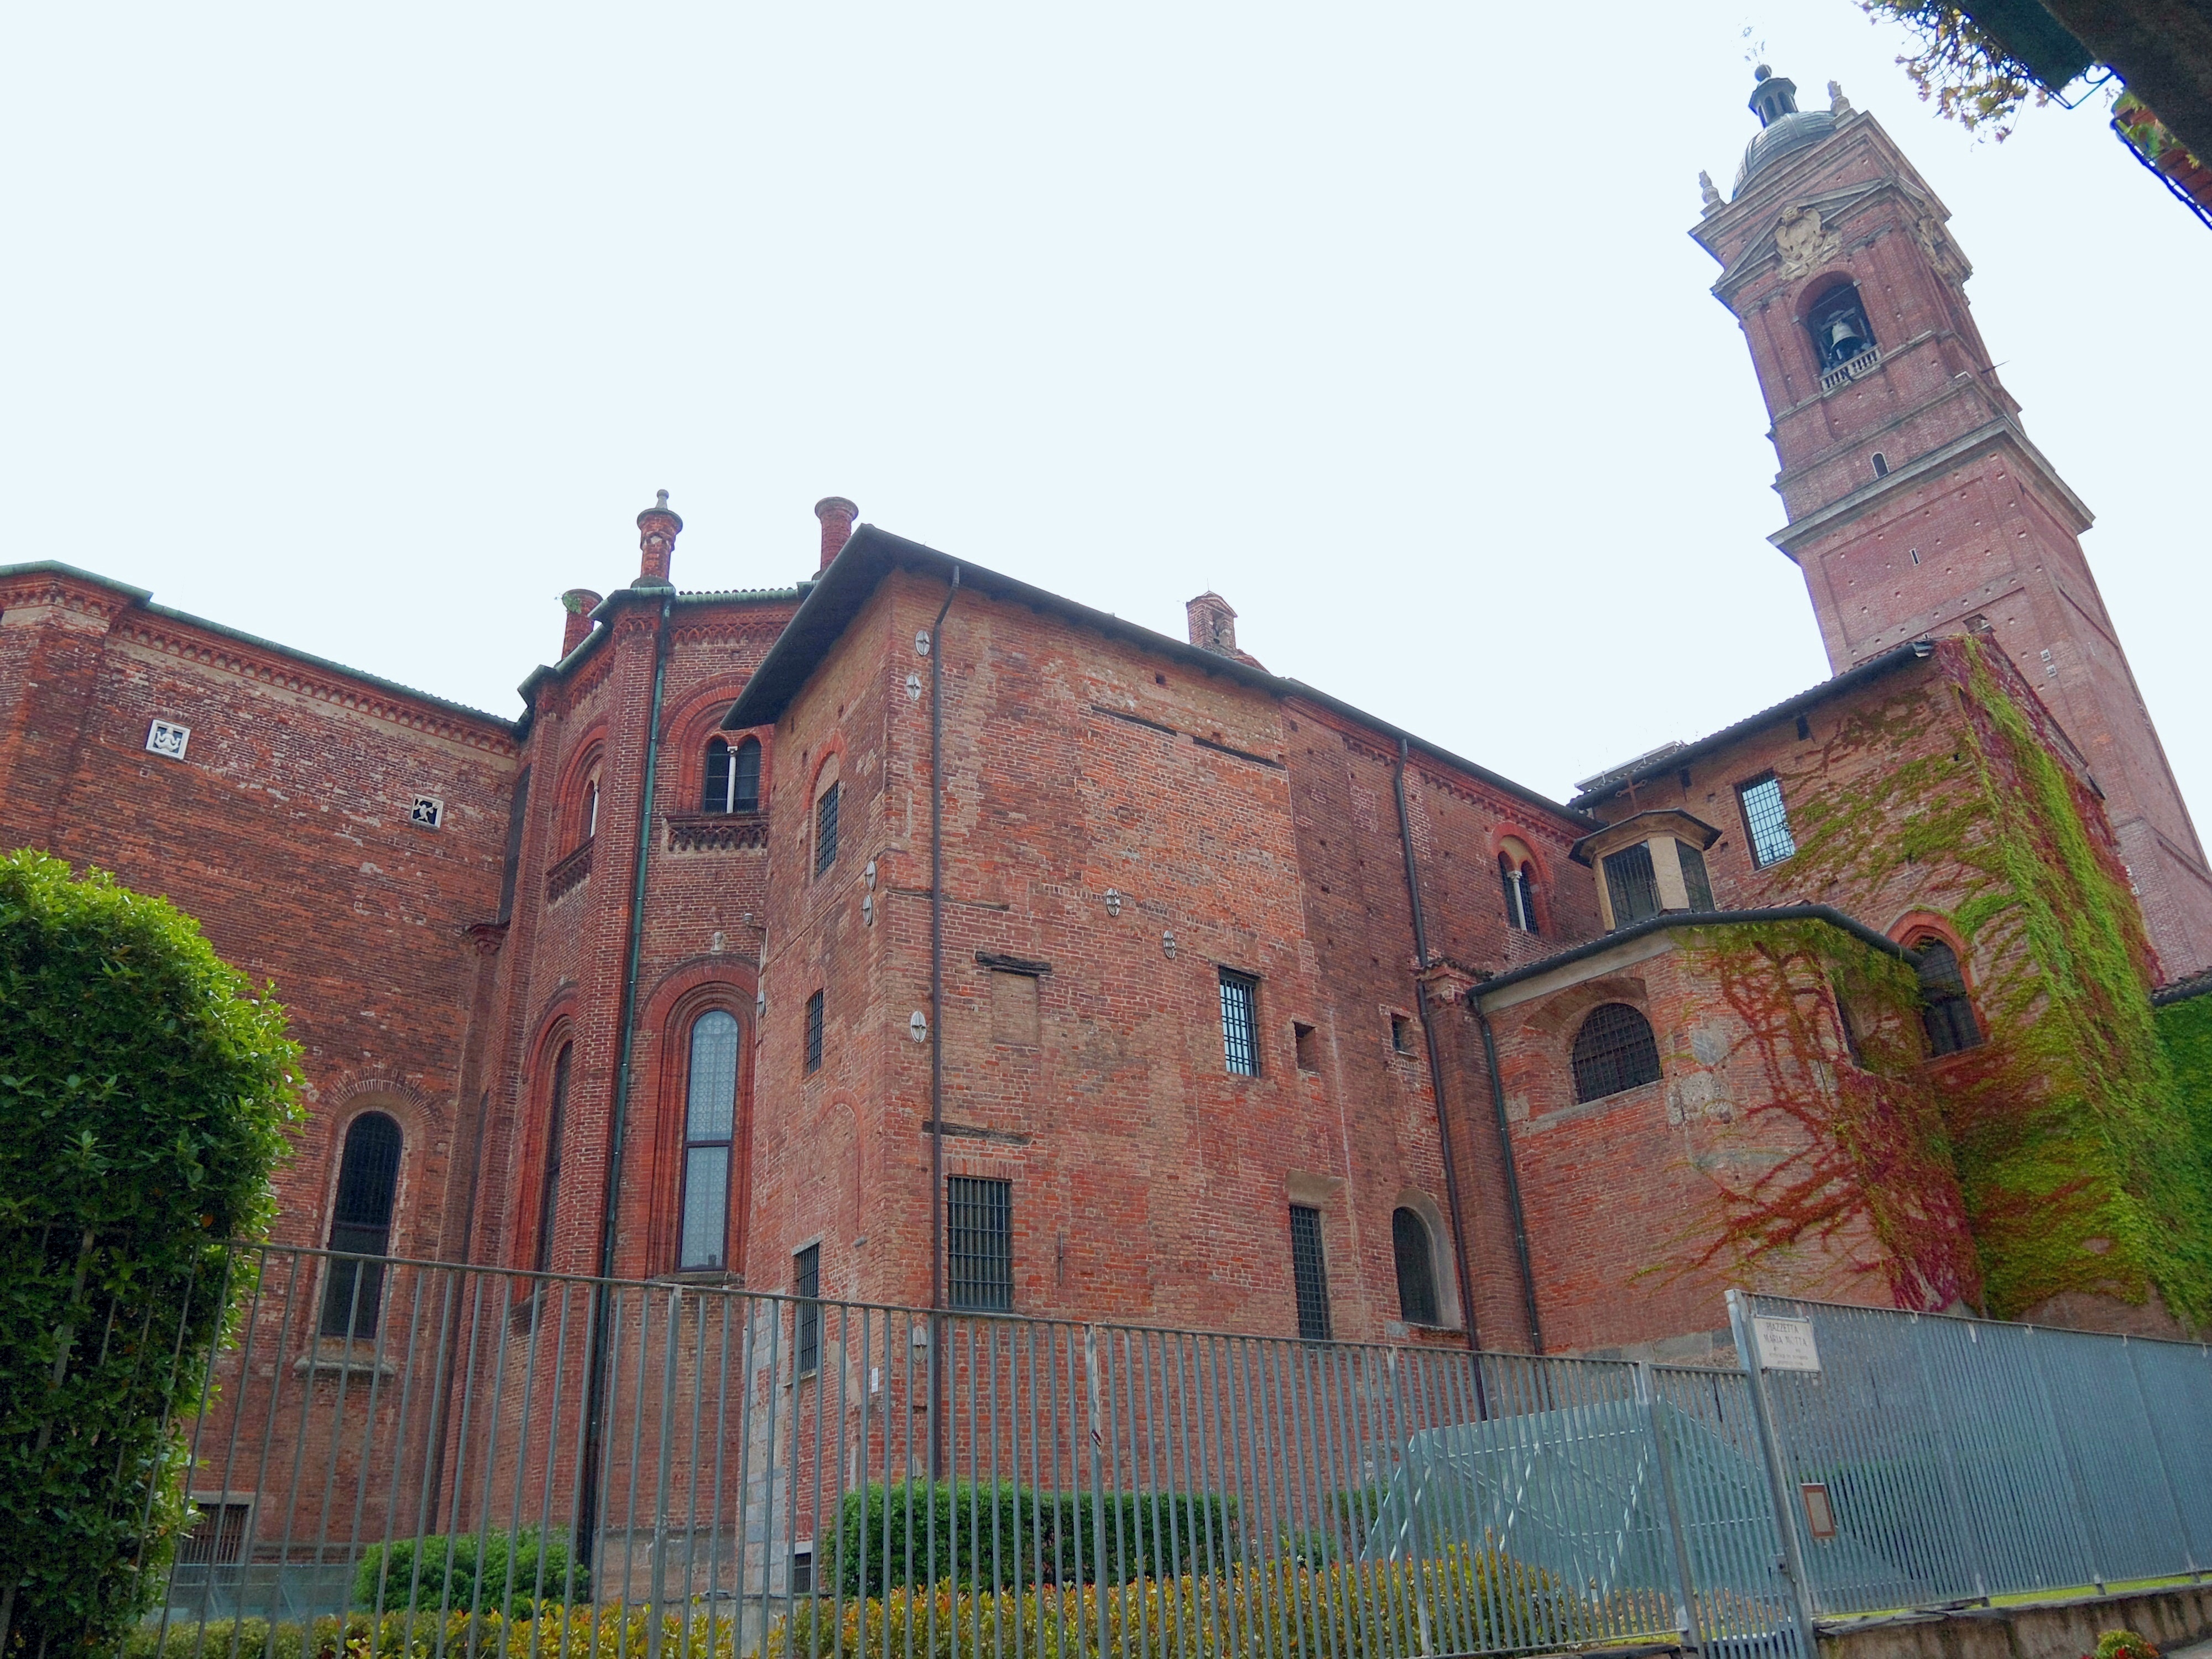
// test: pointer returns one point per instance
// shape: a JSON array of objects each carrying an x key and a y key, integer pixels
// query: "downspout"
[
  {"x": 600, "y": 1361},
  {"x": 1435, "y": 1061},
  {"x": 1512, "y": 1173},
  {"x": 937, "y": 1022}
]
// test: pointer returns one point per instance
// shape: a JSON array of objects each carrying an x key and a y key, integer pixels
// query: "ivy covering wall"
[
  {"x": 2185, "y": 1032},
  {"x": 2079, "y": 1165}
]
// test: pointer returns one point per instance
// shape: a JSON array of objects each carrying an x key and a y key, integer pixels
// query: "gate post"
[
  {"x": 1686, "y": 1615},
  {"x": 1777, "y": 1482}
]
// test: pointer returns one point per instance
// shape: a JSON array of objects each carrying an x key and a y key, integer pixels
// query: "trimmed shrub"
[
  {"x": 1008, "y": 1537},
  {"x": 506, "y": 1573},
  {"x": 146, "y": 1092},
  {"x": 555, "y": 1633}
]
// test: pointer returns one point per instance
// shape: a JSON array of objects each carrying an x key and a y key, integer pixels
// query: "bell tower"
[{"x": 1916, "y": 504}]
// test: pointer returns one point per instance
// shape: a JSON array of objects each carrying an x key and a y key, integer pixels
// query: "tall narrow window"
[
  {"x": 1944, "y": 1008},
  {"x": 814, "y": 1033},
  {"x": 1695, "y": 880},
  {"x": 1631, "y": 885},
  {"x": 733, "y": 776},
  {"x": 825, "y": 829},
  {"x": 360, "y": 1225},
  {"x": 1240, "y": 1023},
  {"x": 1614, "y": 1050},
  {"x": 549, "y": 1188},
  {"x": 1416, "y": 1267},
  {"x": 590, "y": 808},
  {"x": 806, "y": 1284},
  {"x": 1310, "y": 1273},
  {"x": 979, "y": 1244},
  {"x": 1766, "y": 820},
  {"x": 710, "y": 1120},
  {"x": 1519, "y": 884}
]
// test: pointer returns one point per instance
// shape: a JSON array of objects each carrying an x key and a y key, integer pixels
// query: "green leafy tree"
[
  {"x": 146, "y": 1093},
  {"x": 1960, "y": 67}
]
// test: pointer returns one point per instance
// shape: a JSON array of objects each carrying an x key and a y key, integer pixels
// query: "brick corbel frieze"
[{"x": 1447, "y": 981}]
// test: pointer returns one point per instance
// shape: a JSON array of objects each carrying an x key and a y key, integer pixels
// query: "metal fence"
[
  {"x": 734, "y": 1471},
  {"x": 1925, "y": 1460},
  {"x": 649, "y": 1468}
]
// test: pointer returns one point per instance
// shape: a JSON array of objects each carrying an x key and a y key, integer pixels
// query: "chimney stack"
[
  {"x": 657, "y": 528},
  {"x": 1212, "y": 623},
  {"x": 836, "y": 514},
  {"x": 578, "y": 603}
]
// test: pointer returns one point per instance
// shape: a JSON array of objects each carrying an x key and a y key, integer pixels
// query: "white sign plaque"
[{"x": 1786, "y": 1344}]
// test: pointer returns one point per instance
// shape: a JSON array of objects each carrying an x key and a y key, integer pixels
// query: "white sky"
[{"x": 372, "y": 331}]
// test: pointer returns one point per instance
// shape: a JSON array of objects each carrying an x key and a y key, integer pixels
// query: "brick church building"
[{"x": 911, "y": 933}]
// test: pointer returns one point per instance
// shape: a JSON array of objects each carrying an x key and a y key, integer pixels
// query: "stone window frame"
[{"x": 1509, "y": 845}]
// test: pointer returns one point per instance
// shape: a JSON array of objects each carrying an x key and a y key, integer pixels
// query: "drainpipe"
[
  {"x": 937, "y": 1025},
  {"x": 1435, "y": 1061},
  {"x": 1512, "y": 1174},
  {"x": 599, "y": 1360}
]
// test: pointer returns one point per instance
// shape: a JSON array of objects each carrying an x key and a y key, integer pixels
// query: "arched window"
[
  {"x": 1614, "y": 1050},
  {"x": 1417, "y": 1268},
  {"x": 710, "y": 1118},
  {"x": 360, "y": 1225},
  {"x": 1519, "y": 877},
  {"x": 1944, "y": 1008},
  {"x": 1838, "y": 324},
  {"x": 733, "y": 776},
  {"x": 549, "y": 1189}
]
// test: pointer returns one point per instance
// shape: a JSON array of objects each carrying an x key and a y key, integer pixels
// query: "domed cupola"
[{"x": 1784, "y": 128}]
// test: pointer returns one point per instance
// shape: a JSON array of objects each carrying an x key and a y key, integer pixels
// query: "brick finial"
[
  {"x": 1212, "y": 623},
  {"x": 836, "y": 514},
  {"x": 658, "y": 528},
  {"x": 578, "y": 603}
]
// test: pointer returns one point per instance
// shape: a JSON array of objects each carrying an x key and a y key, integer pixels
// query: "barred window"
[
  {"x": 360, "y": 1225},
  {"x": 1766, "y": 820},
  {"x": 710, "y": 1117},
  {"x": 1310, "y": 1273},
  {"x": 217, "y": 1533},
  {"x": 1695, "y": 881},
  {"x": 814, "y": 1032},
  {"x": 979, "y": 1244},
  {"x": 733, "y": 776},
  {"x": 1944, "y": 1009},
  {"x": 1416, "y": 1267},
  {"x": 806, "y": 1283},
  {"x": 825, "y": 828},
  {"x": 1631, "y": 885},
  {"x": 548, "y": 1190},
  {"x": 1614, "y": 1050},
  {"x": 1240, "y": 1023}
]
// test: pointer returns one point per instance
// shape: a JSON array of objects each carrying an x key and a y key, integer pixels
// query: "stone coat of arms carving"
[{"x": 1802, "y": 241}]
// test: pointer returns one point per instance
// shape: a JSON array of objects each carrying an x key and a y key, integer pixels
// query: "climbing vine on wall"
[
  {"x": 1833, "y": 1025},
  {"x": 2076, "y": 1161},
  {"x": 2185, "y": 1030}
]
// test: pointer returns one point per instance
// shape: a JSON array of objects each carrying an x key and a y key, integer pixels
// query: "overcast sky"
[{"x": 371, "y": 329}]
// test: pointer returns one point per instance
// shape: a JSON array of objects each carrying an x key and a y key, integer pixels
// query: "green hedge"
[
  {"x": 1008, "y": 1537},
  {"x": 506, "y": 1573},
  {"x": 556, "y": 1632},
  {"x": 146, "y": 1093}
]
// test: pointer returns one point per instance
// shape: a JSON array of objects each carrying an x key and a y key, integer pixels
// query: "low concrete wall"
[{"x": 2035, "y": 1630}]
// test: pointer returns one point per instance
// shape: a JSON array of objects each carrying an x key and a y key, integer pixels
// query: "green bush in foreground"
[
  {"x": 556, "y": 1632},
  {"x": 506, "y": 1573},
  {"x": 146, "y": 1092}
]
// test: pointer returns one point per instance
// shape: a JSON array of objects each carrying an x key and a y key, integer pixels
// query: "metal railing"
[
  {"x": 1927, "y": 1460},
  {"x": 941, "y": 1484}
]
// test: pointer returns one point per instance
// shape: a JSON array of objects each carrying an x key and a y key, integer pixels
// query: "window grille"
[
  {"x": 1417, "y": 1268},
  {"x": 710, "y": 1119},
  {"x": 1944, "y": 1009},
  {"x": 1309, "y": 1272},
  {"x": 806, "y": 1283},
  {"x": 814, "y": 1033},
  {"x": 825, "y": 829},
  {"x": 548, "y": 1190},
  {"x": 360, "y": 1225},
  {"x": 802, "y": 1572},
  {"x": 979, "y": 1244},
  {"x": 1614, "y": 1050},
  {"x": 1630, "y": 883},
  {"x": 1240, "y": 1023},
  {"x": 1766, "y": 820},
  {"x": 1695, "y": 880},
  {"x": 217, "y": 1533},
  {"x": 1401, "y": 1040}
]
